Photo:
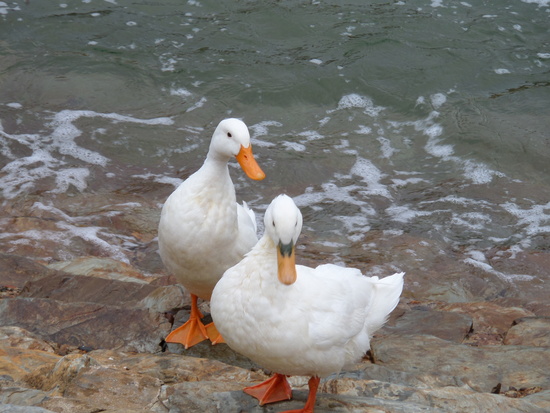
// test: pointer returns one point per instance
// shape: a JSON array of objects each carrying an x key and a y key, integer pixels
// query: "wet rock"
[
  {"x": 16, "y": 270},
  {"x": 490, "y": 320},
  {"x": 540, "y": 399},
  {"x": 101, "y": 268},
  {"x": 17, "y": 363},
  {"x": 446, "y": 325},
  {"x": 487, "y": 316},
  {"x": 77, "y": 288},
  {"x": 433, "y": 272},
  {"x": 529, "y": 331},
  {"x": 12, "y": 336},
  {"x": 87, "y": 324},
  {"x": 479, "y": 368},
  {"x": 443, "y": 399},
  {"x": 166, "y": 298},
  {"x": 116, "y": 318},
  {"x": 139, "y": 382},
  {"x": 12, "y": 408}
]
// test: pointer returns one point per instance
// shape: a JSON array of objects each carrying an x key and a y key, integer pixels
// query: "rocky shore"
[{"x": 87, "y": 336}]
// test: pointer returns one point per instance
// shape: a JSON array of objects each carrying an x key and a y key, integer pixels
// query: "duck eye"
[
  {"x": 273, "y": 223},
  {"x": 229, "y": 134}
]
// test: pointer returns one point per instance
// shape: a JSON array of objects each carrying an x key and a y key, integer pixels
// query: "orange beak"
[
  {"x": 286, "y": 264},
  {"x": 249, "y": 164}
]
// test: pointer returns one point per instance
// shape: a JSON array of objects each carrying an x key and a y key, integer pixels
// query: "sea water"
[{"x": 426, "y": 119}]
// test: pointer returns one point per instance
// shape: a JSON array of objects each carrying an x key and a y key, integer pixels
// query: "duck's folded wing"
[{"x": 337, "y": 300}]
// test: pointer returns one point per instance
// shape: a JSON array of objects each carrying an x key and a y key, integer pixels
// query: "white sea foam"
[
  {"x": 489, "y": 269},
  {"x": 364, "y": 130},
  {"x": 5, "y": 8},
  {"x": 534, "y": 220},
  {"x": 370, "y": 175},
  {"x": 405, "y": 214},
  {"x": 67, "y": 228},
  {"x": 53, "y": 153},
  {"x": 438, "y": 99},
  {"x": 540, "y": 3},
  {"x": 199, "y": 104},
  {"x": 356, "y": 226},
  {"x": 397, "y": 183},
  {"x": 355, "y": 100},
  {"x": 310, "y": 135},
  {"x": 161, "y": 179},
  {"x": 459, "y": 200},
  {"x": 386, "y": 147},
  {"x": 479, "y": 173},
  {"x": 182, "y": 92},
  {"x": 472, "y": 220}
]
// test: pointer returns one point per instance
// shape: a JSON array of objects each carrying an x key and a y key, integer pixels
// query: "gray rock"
[
  {"x": 420, "y": 360},
  {"x": 87, "y": 325},
  {"x": 11, "y": 408},
  {"x": 482, "y": 369},
  {"x": 77, "y": 288},
  {"x": 443, "y": 324},
  {"x": 529, "y": 331},
  {"x": 17, "y": 271}
]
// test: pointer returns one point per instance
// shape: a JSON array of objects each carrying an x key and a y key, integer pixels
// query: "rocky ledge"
[{"x": 87, "y": 336}]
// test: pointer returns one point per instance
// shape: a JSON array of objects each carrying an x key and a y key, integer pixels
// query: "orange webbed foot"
[
  {"x": 193, "y": 331},
  {"x": 213, "y": 334},
  {"x": 313, "y": 385},
  {"x": 274, "y": 389}
]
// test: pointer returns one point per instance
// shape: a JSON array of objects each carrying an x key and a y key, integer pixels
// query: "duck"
[
  {"x": 203, "y": 231},
  {"x": 293, "y": 319}
]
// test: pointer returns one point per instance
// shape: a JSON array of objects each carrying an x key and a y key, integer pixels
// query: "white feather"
[
  {"x": 202, "y": 230},
  {"x": 316, "y": 326}
]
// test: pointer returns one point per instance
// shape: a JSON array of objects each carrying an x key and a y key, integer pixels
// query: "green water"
[{"x": 427, "y": 118}]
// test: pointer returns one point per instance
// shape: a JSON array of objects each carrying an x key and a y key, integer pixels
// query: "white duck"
[
  {"x": 297, "y": 320},
  {"x": 202, "y": 230}
]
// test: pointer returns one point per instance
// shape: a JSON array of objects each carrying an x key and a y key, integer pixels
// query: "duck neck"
[
  {"x": 216, "y": 169},
  {"x": 265, "y": 250}
]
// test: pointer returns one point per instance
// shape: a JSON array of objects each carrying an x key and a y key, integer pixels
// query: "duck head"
[
  {"x": 231, "y": 138},
  {"x": 283, "y": 224}
]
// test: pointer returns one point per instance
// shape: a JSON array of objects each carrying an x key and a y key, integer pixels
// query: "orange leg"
[
  {"x": 213, "y": 334},
  {"x": 313, "y": 384},
  {"x": 193, "y": 331},
  {"x": 274, "y": 389}
]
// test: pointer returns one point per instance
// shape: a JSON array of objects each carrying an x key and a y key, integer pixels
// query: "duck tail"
[
  {"x": 251, "y": 214},
  {"x": 386, "y": 293}
]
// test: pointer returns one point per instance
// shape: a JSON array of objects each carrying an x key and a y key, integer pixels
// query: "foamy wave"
[
  {"x": 355, "y": 100},
  {"x": 540, "y": 3},
  {"x": 66, "y": 229},
  {"x": 489, "y": 269},
  {"x": 52, "y": 154}
]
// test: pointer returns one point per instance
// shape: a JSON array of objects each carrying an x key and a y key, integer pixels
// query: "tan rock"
[
  {"x": 488, "y": 317},
  {"x": 107, "y": 268},
  {"x": 529, "y": 331},
  {"x": 89, "y": 325},
  {"x": 480, "y": 368},
  {"x": 17, "y": 363},
  {"x": 12, "y": 336},
  {"x": 443, "y": 324}
]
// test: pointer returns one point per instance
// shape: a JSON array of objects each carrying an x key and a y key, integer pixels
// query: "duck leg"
[
  {"x": 213, "y": 334},
  {"x": 274, "y": 389},
  {"x": 193, "y": 331},
  {"x": 313, "y": 384}
]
